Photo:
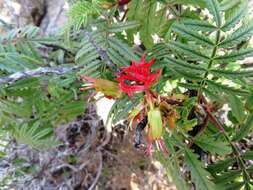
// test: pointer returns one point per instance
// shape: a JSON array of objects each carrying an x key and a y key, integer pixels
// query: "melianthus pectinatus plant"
[{"x": 175, "y": 68}]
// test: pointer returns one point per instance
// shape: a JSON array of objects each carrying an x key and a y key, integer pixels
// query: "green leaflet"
[
  {"x": 235, "y": 16},
  {"x": 198, "y": 25},
  {"x": 116, "y": 58},
  {"x": 173, "y": 172},
  {"x": 90, "y": 67},
  {"x": 80, "y": 12},
  {"x": 249, "y": 103},
  {"x": 220, "y": 165},
  {"x": 121, "y": 108},
  {"x": 241, "y": 34},
  {"x": 244, "y": 129},
  {"x": 35, "y": 136},
  {"x": 191, "y": 34},
  {"x": 135, "y": 10},
  {"x": 171, "y": 164},
  {"x": 231, "y": 74},
  {"x": 145, "y": 13},
  {"x": 225, "y": 89},
  {"x": 213, "y": 146},
  {"x": 88, "y": 58},
  {"x": 123, "y": 49},
  {"x": 17, "y": 109},
  {"x": 248, "y": 155},
  {"x": 228, "y": 4},
  {"x": 233, "y": 185},
  {"x": 234, "y": 56},
  {"x": 237, "y": 108},
  {"x": 88, "y": 47},
  {"x": 198, "y": 174},
  {"x": 181, "y": 63},
  {"x": 213, "y": 7},
  {"x": 26, "y": 34},
  {"x": 149, "y": 21},
  {"x": 189, "y": 75},
  {"x": 162, "y": 24},
  {"x": 213, "y": 95},
  {"x": 226, "y": 177},
  {"x": 187, "y": 50},
  {"x": 200, "y": 3},
  {"x": 120, "y": 27}
]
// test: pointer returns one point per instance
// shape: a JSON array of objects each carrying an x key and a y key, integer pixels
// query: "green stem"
[
  {"x": 202, "y": 83},
  {"x": 236, "y": 152},
  {"x": 240, "y": 161}
]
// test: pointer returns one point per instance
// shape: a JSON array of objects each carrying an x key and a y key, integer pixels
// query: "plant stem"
[
  {"x": 202, "y": 83},
  {"x": 236, "y": 152}
]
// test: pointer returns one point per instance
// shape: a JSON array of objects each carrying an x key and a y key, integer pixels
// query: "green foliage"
[
  {"x": 198, "y": 173},
  {"x": 237, "y": 108},
  {"x": 80, "y": 12},
  {"x": 19, "y": 49},
  {"x": 215, "y": 146},
  {"x": 245, "y": 128},
  {"x": 235, "y": 15},
  {"x": 214, "y": 9},
  {"x": 35, "y": 136}
]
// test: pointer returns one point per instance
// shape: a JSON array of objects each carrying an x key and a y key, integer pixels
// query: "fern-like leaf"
[
  {"x": 192, "y": 35},
  {"x": 187, "y": 50},
  {"x": 235, "y": 16},
  {"x": 221, "y": 88},
  {"x": 182, "y": 64},
  {"x": 120, "y": 27},
  {"x": 198, "y": 174},
  {"x": 213, "y": 7},
  {"x": 34, "y": 136},
  {"x": 243, "y": 33},
  {"x": 198, "y": 25},
  {"x": 212, "y": 145},
  {"x": 234, "y": 56}
]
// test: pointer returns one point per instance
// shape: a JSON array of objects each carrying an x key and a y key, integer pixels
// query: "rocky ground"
[{"x": 89, "y": 158}]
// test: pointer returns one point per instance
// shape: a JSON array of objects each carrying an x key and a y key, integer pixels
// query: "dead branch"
[
  {"x": 99, "y": 171},
  {"x": 37, "y": 72}
]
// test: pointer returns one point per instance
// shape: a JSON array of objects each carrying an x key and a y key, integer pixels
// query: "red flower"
[{"x": 138, "y": 75}]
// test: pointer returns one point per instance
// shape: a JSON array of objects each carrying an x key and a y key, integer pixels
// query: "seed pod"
[{"x": 155, "y": 124}]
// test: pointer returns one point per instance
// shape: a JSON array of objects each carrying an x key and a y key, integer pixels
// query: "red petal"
[
  {"x": 151, "y": 62},
  {"x": 130, "y": 89},
  {"x": 125, "y": 77}
]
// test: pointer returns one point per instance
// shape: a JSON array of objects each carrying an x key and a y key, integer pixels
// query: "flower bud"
[
  {"x": 108, "y": 88},
  {"x": 155, "y": 124}
]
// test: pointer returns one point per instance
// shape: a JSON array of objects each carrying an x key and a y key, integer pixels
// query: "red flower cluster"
[{"x": 138, "y": 75}]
